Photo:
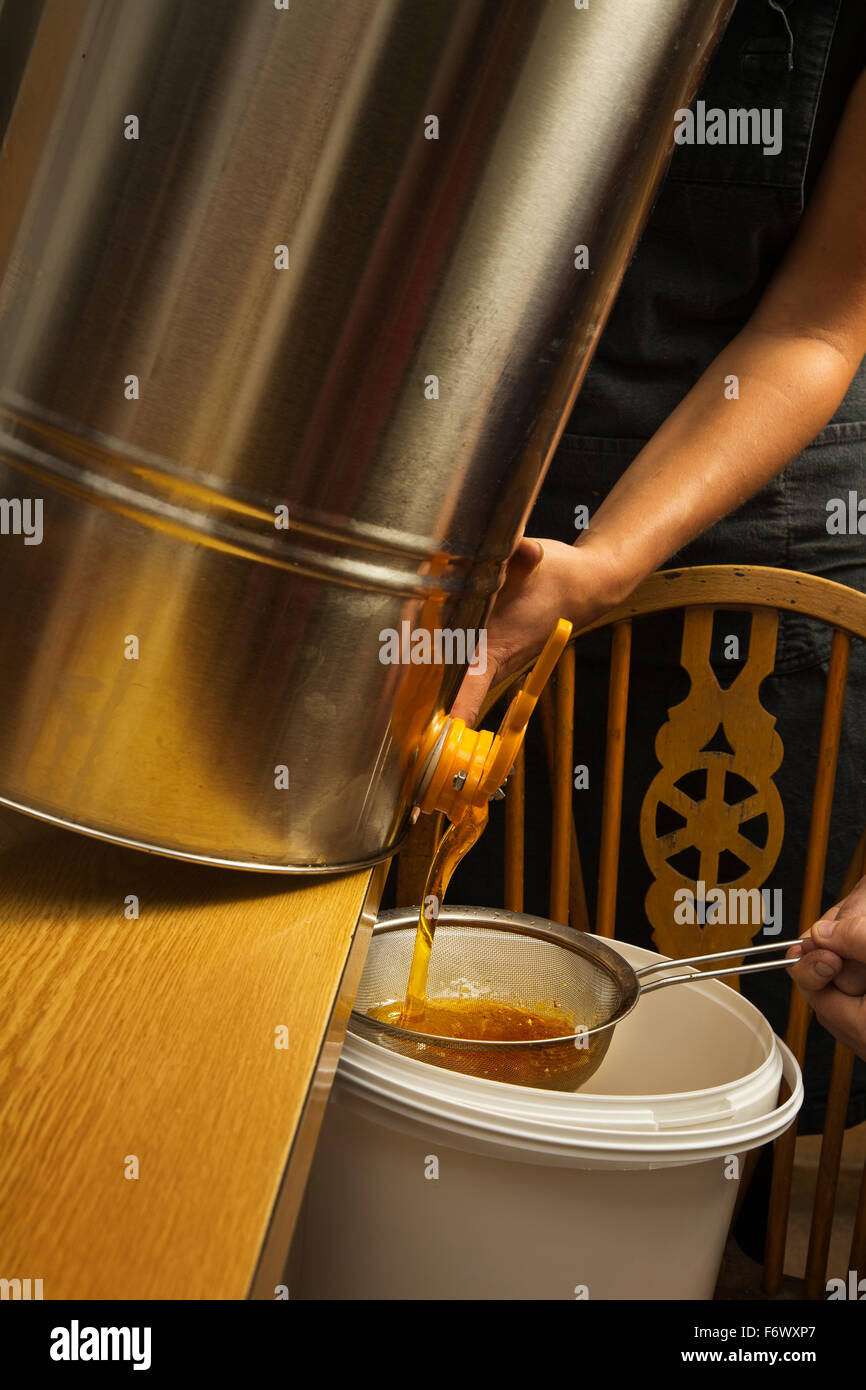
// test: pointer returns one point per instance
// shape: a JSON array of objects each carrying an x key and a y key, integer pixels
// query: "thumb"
[
  {"x": 526, "y": 557},
  {"x": 472, "y": 692}
]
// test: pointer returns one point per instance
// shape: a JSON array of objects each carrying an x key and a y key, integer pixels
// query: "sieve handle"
[{"x": 717, "y": 974}]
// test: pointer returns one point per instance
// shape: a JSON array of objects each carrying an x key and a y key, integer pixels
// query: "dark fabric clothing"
[
  {"x": 844, "y": 65},
  {"x": 724, "y": 218},
  {"x": 722, "y": 223}
]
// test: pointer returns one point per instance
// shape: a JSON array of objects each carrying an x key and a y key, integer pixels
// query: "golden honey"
[
  {"x": 455, "y": 843},
  {"x": 558, "y": 1067},
  {"x": 479, "y": 1021}
]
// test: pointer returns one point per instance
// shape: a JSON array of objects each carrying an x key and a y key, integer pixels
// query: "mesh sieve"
[{"x": 509, "y": 958}]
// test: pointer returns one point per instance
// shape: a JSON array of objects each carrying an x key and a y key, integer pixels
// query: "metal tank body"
[{"x": 290, "y": 321}]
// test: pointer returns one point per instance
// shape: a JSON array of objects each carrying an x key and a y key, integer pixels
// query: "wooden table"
[{"x": 155, "y": 1046}]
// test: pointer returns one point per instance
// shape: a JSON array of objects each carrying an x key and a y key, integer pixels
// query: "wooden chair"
[{"x": 754, "y": 751}]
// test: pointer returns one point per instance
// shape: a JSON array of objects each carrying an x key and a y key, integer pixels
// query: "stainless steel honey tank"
[{"x": 291, "y": 314}]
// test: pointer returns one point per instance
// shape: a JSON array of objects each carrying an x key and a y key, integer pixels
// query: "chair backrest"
[{"x": 718, "y": 733}]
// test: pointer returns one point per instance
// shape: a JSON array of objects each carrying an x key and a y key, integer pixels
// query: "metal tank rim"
[{"x": 248, "y": 866}]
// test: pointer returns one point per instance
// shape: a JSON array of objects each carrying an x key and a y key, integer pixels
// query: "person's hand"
[
  {"x": 831, "y": 972},
  {"x": 545, "y": 581}
]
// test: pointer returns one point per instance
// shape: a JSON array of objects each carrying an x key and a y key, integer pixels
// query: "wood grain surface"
[{"x": 154, "y": 1039}]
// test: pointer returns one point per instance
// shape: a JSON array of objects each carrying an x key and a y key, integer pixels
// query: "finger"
[
  {"x": 527, "y": 556},
  {"x": 844, "y": 935},
  {"x": 851, "y": 978},
  {"x": 473, "y": 691},
  {"x": 476, "y": 683},
  {"x": 814, "y": 971},
  {"x": 831, "y": 914},
  {"x": 855, "y": 903},
  {"x": 845, "y": 938}
]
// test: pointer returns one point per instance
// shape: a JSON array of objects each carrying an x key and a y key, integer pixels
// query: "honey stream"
[
  {"x": 559, "y": 1067},
  {"x": 455, "y": 843}
]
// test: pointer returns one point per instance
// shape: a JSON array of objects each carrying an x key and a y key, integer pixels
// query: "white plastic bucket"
[{"x": 433, "y": 1185}]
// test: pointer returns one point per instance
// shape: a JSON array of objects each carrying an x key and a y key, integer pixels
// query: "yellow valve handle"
[{"x": 473, "y": 763}]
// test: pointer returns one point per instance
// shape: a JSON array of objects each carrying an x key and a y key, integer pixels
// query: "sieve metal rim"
[{"x": 520, "y": 923}]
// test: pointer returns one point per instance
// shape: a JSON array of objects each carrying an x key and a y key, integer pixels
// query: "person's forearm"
[{"x": 713, "y": 452}]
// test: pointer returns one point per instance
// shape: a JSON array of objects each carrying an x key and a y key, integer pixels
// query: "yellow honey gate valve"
[{"x": 466, "y": 767}]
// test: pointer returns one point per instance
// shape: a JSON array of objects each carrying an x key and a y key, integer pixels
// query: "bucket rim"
[{"x": 518, "y": 1137}]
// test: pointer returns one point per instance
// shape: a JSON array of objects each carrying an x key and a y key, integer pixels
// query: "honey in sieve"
[
  {"x": 483, "y": 1020},
  {"x": 477, "y": 1020},
  {"x": 489, "y": 1021}
]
